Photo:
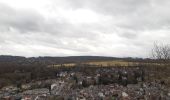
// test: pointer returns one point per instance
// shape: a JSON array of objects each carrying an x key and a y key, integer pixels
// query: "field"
[
  {"x": 112, "y": 63},
  {"x": 100, "y": 63}
]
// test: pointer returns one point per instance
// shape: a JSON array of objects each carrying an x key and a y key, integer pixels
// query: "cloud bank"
[{"x": 118, "y": 28}]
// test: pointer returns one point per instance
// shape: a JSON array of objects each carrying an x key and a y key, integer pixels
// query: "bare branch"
[{"x": 161, "y": 51}]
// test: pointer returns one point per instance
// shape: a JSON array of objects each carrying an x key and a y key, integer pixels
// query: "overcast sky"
[{"x": 119, "y": 28}]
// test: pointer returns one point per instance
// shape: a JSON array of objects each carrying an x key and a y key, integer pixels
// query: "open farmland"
[
  {"x": 112, "y": 63},
  {"x": 99, "y": 63}
]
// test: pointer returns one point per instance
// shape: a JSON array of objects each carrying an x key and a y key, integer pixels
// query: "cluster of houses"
[{"x": 102, "y": 84}]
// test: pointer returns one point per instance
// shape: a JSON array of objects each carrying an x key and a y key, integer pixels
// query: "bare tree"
[{"x": 161, "y": 51}]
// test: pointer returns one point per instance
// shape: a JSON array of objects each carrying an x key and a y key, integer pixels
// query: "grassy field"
[
  {"x": 111, "y": 63},
  {"x": 101, "y": 63}
]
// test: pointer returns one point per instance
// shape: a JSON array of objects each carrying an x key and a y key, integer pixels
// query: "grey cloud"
[
  {"x": 110, "y": 6},
  {"x": 132, "y": 28},
  {"x": 23, "y": 20},
  {"x": 22, "y": 28},
  {"x": 138, "y": 14},
  {"x": 26, "y": 21}
]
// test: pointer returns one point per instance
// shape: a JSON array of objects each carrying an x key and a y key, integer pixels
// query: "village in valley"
[{"x": 92, "y": 82}]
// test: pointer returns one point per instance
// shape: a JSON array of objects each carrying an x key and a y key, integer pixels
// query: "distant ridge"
[
  {"x": 47, "y": 59},
  {"x": 59, "y": 60}
]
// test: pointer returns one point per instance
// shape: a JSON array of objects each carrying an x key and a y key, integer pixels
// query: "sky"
[{"x": 119, "y": 28}]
